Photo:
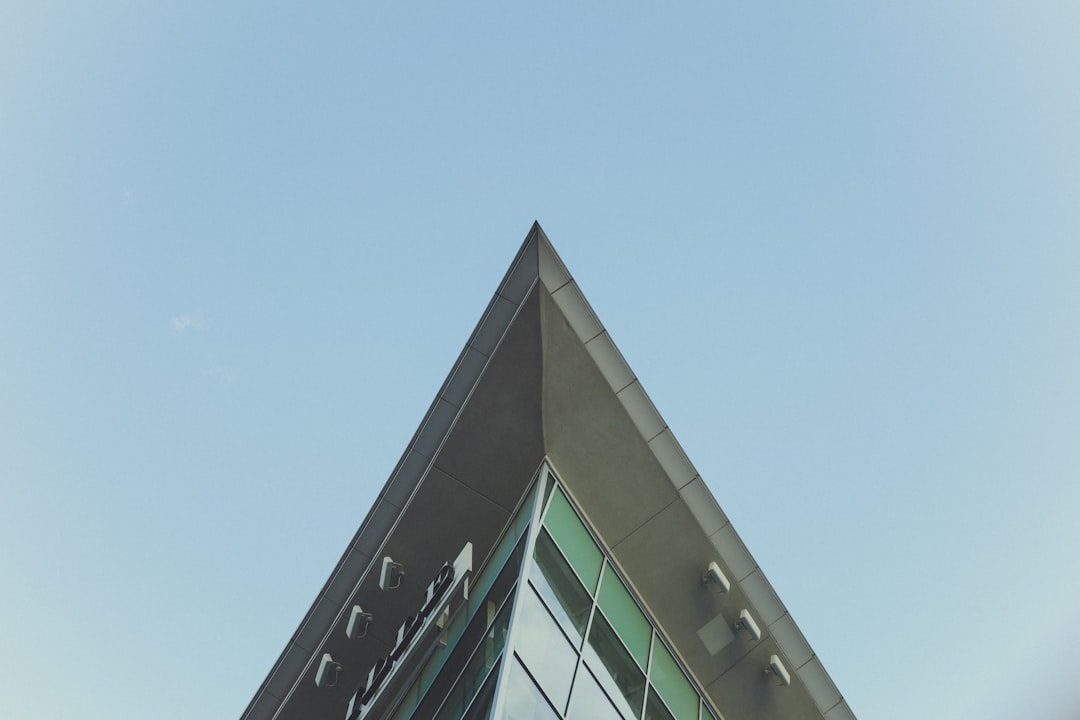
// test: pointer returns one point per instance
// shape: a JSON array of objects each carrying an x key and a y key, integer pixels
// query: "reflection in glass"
[
  {"x": 588, "y": 701},
  {"x": 561, "y": 589},
  {"x": 625, "y": 616},
  {"x": 481, "y": 706},
  {"x": 615, "y": 668},
  {"x": 544, "y": 649},
  {"x": 654, "y": 709},
  {"x": 524, "y": 701},
  {"x": 480, "y": 664},
  {"x": 666, "y": 675},
  {"x": 574, "y": 540}
]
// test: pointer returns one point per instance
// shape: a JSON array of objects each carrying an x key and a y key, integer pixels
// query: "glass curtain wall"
[
  {"x": 549, "y": 632},
  {"x": 457, "y": 676},
  {"x": 580, "y": 647}
]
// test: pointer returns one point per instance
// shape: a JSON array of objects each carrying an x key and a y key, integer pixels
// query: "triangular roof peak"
[{"x": 540, "y": 378}]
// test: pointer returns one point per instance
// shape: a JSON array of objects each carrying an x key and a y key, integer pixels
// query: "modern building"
[{"x": 544, "y": 549}]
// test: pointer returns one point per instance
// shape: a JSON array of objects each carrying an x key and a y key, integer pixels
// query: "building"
[{"x": 545, "y": 549}]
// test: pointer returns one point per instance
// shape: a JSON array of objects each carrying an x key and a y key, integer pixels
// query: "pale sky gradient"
[{"x": 241, "y": 246}]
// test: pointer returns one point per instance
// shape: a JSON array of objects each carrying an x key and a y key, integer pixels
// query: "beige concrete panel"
[
  {"x": 819, "y": 684},
  {"x": 591, "y": 440},
  {"x": 840, "y": 712},
  {"x": 552, "y": 271},
  {"x": 641, "y": 410},
  {"x": 672, "y": 458},
  {"x": 761, "y": 595},
  {"x": 791, "y": 642},
  {"x": 580, "y": 316},
  {"x": 703, "y": 506},
  {"x": 745, "y": 691},
  {"x": 734, "y": 553},
  {"x": 610, "y": 361}
]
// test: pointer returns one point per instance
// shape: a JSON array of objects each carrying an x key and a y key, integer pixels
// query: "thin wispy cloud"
[{"x": 187, "y": 321}]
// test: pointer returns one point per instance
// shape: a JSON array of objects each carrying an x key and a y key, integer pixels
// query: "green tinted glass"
[
  {"x": 614, "y": 668},
  {"x": 705, "y": 713},
  {"x": 666, "y": 675},
  {"x": 574, "y": 540},
  {"x": 625, "y": 616},
  {"x": 561, "y": 588},
  {"x": 654, "y": 709}
]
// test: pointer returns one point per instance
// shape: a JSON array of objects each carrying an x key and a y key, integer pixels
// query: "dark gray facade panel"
[
  {"x": 346, "y": 575},
  {"x": 466, "y": 372},
  {"x": 497, "y": 318},
  {"x": 376, "y": 527},
  {"x": 405, "y": 478},
  {"x": 523, "y": 273},
  {"x": 497, "y": 442}
]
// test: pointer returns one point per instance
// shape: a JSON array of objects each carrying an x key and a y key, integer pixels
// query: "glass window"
[
  {"x": 654, "y": 709},
  {"x": 561, "y": 589},
  {"x": 544, "y": 649},
  {"x": 484, "y": 657},
  {"x": 588, "y": 701},
  {"x": 524, "y": 701},
  {"x": 615, "y": 668},
  {"x": 481, "y": 706},
  {"x": 672, "y": 684},
  {"x": 625, "y": 616},
  {"x": 706, "y": 714},
  {"x": 573, "y": 539}
]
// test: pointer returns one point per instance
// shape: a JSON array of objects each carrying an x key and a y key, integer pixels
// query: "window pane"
[
  {"x": 574, "y": 539},
  {"x": 561, "y": 589},
  {"x": 615, "y": 668},
  {"x": 588, "y": 701},
  {"x": 544, "y": 649},
  {"x": 523, "y": 699},
  {"x": 625, "y": 616},
  {"x": 672, "y": 685},
  {"x": 706, "y": 714},
  {"x": 481, "y": 706},
  {"x": 654, "y": 709},
  {"x": 483, "y": 659}
]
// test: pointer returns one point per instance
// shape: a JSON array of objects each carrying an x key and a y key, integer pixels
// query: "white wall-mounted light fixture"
[
  {"x": 777, "y": 670},
  {"x": 747, "y": 625},
  {"x": 328, "y": 672},
  {"x": 391, "y": 574},
  {"x": 715, "y": 576},
  {"x": 359, "y": 622}
]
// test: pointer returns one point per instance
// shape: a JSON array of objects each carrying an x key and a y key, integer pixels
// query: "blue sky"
[{"x": 241, "y": 246}]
